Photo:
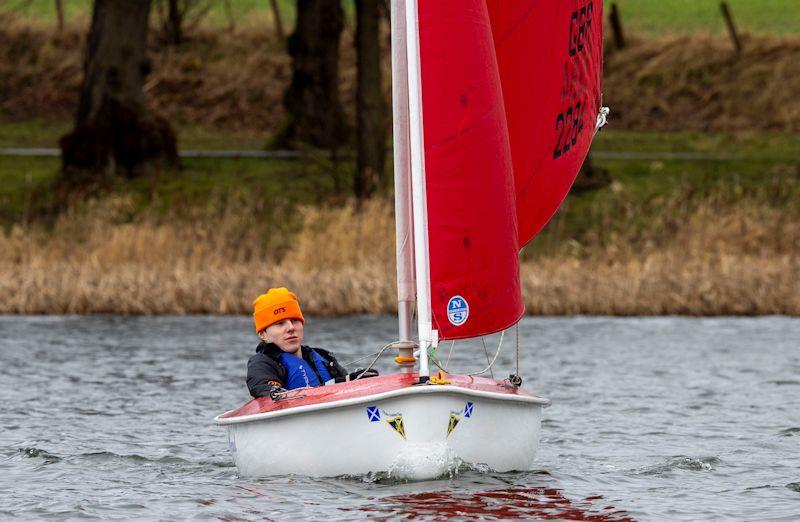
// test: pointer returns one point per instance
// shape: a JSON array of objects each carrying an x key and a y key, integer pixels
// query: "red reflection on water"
[{"x": 541, "y": 503}]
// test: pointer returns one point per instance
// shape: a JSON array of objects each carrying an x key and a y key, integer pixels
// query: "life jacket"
[{"x": 299, "y": 373}]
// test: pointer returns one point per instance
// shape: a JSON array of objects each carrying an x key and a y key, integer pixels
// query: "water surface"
[{"x": 659, "y": 418}]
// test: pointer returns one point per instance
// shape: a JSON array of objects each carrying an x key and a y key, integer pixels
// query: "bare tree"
[
  {"x": 314, "y": 109},
  {"x": 176, "y": 18},
  {"x": 370, "y": 106},
  {"x": 113, "y": 130}
]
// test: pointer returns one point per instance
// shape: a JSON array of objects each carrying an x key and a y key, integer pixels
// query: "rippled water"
[{"x": 664, "y": 418}]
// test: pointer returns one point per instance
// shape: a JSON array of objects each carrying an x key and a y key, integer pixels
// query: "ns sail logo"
[{"x": 457, "y": 310}]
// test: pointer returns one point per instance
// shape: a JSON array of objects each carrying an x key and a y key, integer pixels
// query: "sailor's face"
[{"x": 286, "y": 334}]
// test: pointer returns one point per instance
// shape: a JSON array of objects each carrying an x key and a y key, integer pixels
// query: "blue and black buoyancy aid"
[{"x": 299, "y": 373}]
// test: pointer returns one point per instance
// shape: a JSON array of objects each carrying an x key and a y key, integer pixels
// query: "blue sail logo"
[{"x": 457, "y": 310}]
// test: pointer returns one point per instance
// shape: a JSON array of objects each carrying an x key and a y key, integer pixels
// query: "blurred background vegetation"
[{"x": 699, "y": 168}]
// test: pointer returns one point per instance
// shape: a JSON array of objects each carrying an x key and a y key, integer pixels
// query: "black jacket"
[{"x": 265, "y": 370}]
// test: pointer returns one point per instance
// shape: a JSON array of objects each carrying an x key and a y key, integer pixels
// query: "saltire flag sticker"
[
  {"x": 373, "y": 413},
  {"x": 468, "y": 410}
]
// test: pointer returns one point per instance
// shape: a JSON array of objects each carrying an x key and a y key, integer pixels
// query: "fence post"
[
  {"x": 60, "y": 15},
  {"x": 616, "y": 27},
  {"x": 278, "y": 23},
  {"x": 726, "y": 13}
]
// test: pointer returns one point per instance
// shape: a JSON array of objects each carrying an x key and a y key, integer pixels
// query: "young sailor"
[{"x": 281, "y": 361}]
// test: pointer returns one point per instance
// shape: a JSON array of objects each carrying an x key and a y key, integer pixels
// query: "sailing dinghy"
[{"x": 495, "y": 104}]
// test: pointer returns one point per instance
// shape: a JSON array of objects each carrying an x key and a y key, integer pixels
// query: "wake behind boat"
[{"x": 495, "y": 104}]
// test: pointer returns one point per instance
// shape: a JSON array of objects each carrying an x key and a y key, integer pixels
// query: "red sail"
[
  {"x": 472, "y": 223},
  {"x": 551, "y": 58}
]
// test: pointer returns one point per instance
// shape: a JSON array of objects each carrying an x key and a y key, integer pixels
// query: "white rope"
[
  {"x": 447, "y": 363},
  {"x": 379, "y": 353},
  {"x": 602, "y": 118},
  {"x": 499, "y": 346},
  {"x": 362, "y": 358},
  {"x": 483, "y": 340},
  {"x": 516, "y": 327}
]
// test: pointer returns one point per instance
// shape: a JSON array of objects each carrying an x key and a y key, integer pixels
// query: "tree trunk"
[
  {"x": 314, "y": 109},
  {"x": 174, "y": 23},
  {"x": 371, "y": 112},
  {"x": 113, "y": 130}
]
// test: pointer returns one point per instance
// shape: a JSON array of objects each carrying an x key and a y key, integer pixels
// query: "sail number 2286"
[
  {"x": 568, "y": 125},
  {"x": 569, "y": 122}
]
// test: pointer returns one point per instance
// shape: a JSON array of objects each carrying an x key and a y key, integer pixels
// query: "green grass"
[
  {"x": 208, "y": 12},
  {"x": 763, "y": 145},
  {"x": 25, "y": 183},
  {"x": 765, "y": 169},
  {"x": 21, "y": 178},
  {"x": 40, "y": 133},
  {"x": 646, "y": 195},
  {"x": 779, "y": 17}
]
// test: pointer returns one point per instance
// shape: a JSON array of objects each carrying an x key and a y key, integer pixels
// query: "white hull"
[{"x": 416, "y": 432}]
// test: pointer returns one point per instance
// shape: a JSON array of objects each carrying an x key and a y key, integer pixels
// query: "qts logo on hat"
[{"x": 277, "y": 304}]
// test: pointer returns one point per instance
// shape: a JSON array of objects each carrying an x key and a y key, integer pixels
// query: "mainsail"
[{"x": 510, "y": 91}]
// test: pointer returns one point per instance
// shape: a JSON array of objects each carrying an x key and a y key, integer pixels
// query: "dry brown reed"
[{"x": 740, "y": 259}]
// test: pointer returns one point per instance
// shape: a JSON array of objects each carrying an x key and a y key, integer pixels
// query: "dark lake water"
[{"x": 652, "y": 419}]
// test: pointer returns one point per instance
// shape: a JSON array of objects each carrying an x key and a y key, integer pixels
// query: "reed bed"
[{"x": 711, "y": 259}]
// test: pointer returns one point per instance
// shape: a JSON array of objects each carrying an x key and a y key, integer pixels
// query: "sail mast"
[
  {"x": 402, "y": 173},
  {"x": 427, "y": 336}
]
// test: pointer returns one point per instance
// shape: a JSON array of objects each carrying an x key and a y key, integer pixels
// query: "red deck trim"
[{"x": 364, "y": 388}]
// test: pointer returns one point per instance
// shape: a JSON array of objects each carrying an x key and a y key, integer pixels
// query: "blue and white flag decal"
[
  {"x": 373, "y": 413},
  {"x": 457, "y": 310},
  {"x": 468, "y": 410}
]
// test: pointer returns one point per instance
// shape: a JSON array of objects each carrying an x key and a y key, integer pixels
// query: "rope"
[
  {"x": 488, "y": 368},
  {"x": 362, "y": 358},
  {"x": 379, "y": 353},
  {"x": 516, "y": 327},
  {"x": 483, "y": 340},
  {"x": 453, "y": 343}
]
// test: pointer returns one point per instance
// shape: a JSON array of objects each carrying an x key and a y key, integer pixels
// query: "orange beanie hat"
[{"x": 276, "y": 305}]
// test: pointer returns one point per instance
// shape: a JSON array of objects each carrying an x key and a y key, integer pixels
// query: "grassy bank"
[
  {"x": 642, "y": 16},
  {"x": 668, "y": 236},
  {"x": 667, "y": 83}
]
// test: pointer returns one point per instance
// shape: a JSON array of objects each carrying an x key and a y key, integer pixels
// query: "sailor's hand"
[{"x": 276, "y": 393}]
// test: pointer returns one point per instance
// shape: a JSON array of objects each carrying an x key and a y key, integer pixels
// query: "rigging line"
[
  {"x": 373, "y": 353},
  {"x": 379, "y": 353},
  {"x": 361, "y": 358},
  {"x": 499, "y": 346},
  {"x": 517, "y": 330},
  {"x": 452, "y": 343},
  {"x": 483, "y": 340}
]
